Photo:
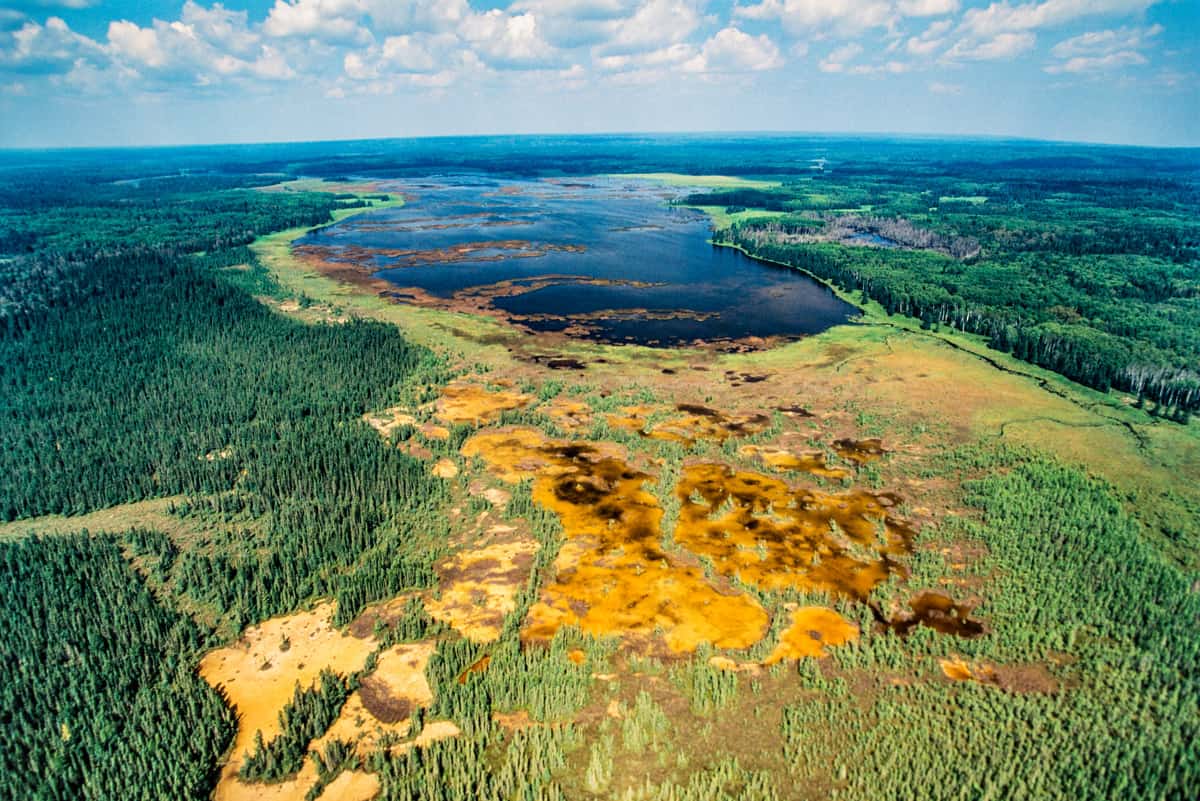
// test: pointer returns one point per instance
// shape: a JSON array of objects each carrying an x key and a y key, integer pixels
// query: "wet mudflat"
[{"x": 608, "y": 259}]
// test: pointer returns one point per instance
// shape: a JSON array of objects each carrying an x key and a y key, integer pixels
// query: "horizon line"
[{"x": 713, "y": 134}]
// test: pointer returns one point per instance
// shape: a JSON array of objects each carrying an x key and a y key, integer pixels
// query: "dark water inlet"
[{"x": 654, "y": 277}]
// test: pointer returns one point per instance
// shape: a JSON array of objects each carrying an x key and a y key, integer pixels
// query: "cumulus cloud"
[
  {"x": 127, "y": 40},
  {"x": 327, "y": 20},
  {"x": 1100, "y": 51},
  {"x": 409, "y": 54},
  {"x": 378, "y": 46},
  {"x": 221, "y": 26},
  {"x": 1005, "y": 30},
  {"x": 930, "y": 40},
  {"x": 839, "y": 57},
  {"x": 1104, "y": 42},
  {"x": 800, "y": 17},
  {"x": 579, "y": 23},
  {"x": 52, "y": 47},
  {"x": 506, "y": 39},
  {"x": 927, "y": 8},
  {"x": 1000, "y": 46},
  {"x": 653, "y": 24},
  {"x": 732, "y": 50},
  {"x": 1004, "y": 16}
]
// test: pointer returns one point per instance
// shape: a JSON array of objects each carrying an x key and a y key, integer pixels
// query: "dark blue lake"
[{"x": 605, "y": 258}]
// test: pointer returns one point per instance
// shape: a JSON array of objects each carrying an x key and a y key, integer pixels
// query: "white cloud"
[
  {"x": 327, "y": 20},
  {"x": 939, "y": 88},
  {"x": 927, "y": 8},
  {"x": 889, "y": 67},
  {"x": 1004, "y": 16},
  {"x": 1101, "y": 51},
  {"x": 1101, "y": 42},
  {"x": 506, "y": 39},
  {"x": 805, "y": 16},
  {"x": 930, "y": 40},
  {"x": 408, "y": 54},
  {"x": 655, "y": 23},
  {"x": 52, "y": 47},
  {"x": 127, "y": 40},
  {"x": 579, "y": 23},
  {"x": 838, "y": 58},
  {"x": 1109, "y": 61},
  {"x": 732, "y": 50},
  {"x": 415, "y": 16},
  {"x": 220, "y": 26},
  {"x": 1000, "y": 46}
]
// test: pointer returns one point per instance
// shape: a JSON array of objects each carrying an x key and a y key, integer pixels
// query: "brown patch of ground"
[
  {"x": 259, "y": 674},
  {"x": 444, "y": 468},
  {"x": 514, "y": 721},
  {"x": 687, "y": 423},
  {"x": 813, "y": 629},
  {"x": 612, "y": 575},
  {"x": 387, "y": 612},
  {"x": 388, "y": 420},
  {"x": 813, "y": 463},
  {"x": 859, "y": 451},
  {"x": 465, "y": 402},
  {"x": 768, "y": 534},
  {"x": 478, "y": 588},
  {"x": 351, "y": 785},
  {"x": 939, "y": 612},
  {"x": 568, "y": 414}
]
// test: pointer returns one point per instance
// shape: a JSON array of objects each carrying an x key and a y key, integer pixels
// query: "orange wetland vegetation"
[{"x": 620, "y": 571}]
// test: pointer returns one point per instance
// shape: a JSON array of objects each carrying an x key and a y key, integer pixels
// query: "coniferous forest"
[{"x": 159, "y": 363}]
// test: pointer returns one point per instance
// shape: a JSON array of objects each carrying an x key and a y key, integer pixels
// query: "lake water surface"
[{"x": 605, "y": 258}]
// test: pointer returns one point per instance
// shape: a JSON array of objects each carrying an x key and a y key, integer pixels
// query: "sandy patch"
[
  {"x": 478, "y": 587},
  {"x": 612, "y": 575},
  {"x": 464, "y": 402},
  {"x": 813, "y": 629}
]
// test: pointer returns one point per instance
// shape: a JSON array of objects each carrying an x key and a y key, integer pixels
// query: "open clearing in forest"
[
  {"x": 262, "y": 670},
  {"x": 151, "y": 514}
]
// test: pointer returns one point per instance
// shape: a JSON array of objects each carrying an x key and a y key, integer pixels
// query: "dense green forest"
[
  {"x": 101, "y": 697},
  {"x": 137, "y": 362},
  {"x": 1093, "y": 275}
]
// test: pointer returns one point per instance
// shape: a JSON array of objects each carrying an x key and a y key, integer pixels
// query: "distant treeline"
[{"x": 1095, "y": 277}]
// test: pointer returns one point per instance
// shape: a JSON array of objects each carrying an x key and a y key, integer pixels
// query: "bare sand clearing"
[
  {"x": 388, "y": 420},
  {"x": 260, "y": 673},
  {"x": 465, "y": 402},
  {"x": 813, "y": 629},
  {"x": 478, "y": 587},
  {"x": 352, "y": 785},
  {"x": 612, "y": 575}
]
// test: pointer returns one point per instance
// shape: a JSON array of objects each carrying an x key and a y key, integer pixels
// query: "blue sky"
[{"x": 82, "y": 72}]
